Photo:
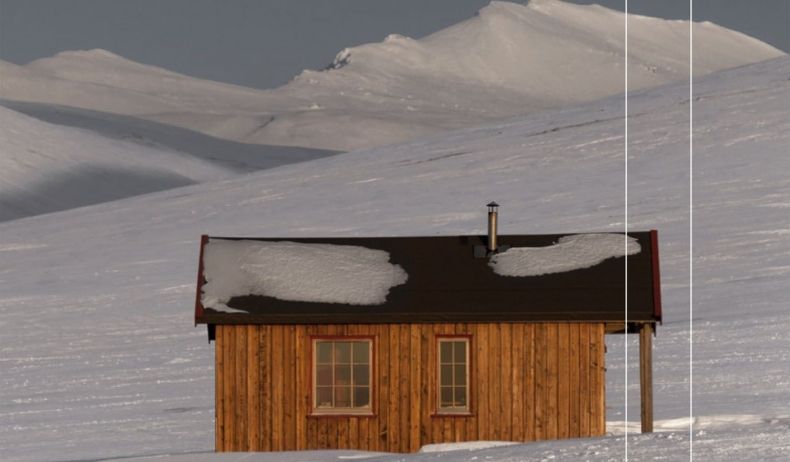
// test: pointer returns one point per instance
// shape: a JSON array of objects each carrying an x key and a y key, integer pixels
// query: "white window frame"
[
  {"x": 359, "y": 410},
  {"x": 451, "y": 410}
]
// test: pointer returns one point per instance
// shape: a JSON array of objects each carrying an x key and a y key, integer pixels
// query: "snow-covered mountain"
[
  {"x": 509, "y": 59},
  {"x": 100, "y": 357}
]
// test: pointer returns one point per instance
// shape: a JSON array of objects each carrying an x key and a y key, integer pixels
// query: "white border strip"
[
  {"x": 691, "y": 229},
  {"x": 625, "y": 336}
]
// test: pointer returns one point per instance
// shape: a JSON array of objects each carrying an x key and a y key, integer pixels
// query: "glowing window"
[{"x": 342, "y": 376}]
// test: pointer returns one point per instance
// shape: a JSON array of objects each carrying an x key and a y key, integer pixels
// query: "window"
[
  {"x": 342, "y": 376},
  {"x": 453, "y": 375}
]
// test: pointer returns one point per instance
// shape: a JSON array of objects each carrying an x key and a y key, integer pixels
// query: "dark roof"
[{"x": 447, "y": 282}]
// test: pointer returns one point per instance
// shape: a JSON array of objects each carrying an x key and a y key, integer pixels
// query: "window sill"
[
  {"x": 321, "y": 415},
  {"x": 440, "y": 415}
]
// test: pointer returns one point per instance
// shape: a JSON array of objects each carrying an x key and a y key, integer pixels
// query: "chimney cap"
[{"x": 492, "y": 204}]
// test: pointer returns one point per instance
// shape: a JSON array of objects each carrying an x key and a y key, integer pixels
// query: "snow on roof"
[
  {"x": 568, "y": 253},
  {"x": 302, "y": 272}
]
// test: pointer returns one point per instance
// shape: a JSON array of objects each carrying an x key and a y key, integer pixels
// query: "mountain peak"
[
  {"x": 501, "y": 5},
  {"x": 95, "y": 52},
  {"x": 73, "y": 63}
]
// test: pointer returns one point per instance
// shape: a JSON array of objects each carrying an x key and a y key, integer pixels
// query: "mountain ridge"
[{"x": 509, "y": 59}]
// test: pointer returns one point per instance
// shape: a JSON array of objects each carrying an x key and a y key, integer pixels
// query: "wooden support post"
[{"x": 646, "y": 375}]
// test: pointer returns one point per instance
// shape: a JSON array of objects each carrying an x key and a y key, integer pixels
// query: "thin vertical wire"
[
  {"x": 625, "y": 240},
  {"x": 691, "y": 228}
]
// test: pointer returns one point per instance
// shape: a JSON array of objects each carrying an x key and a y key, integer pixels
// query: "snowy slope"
[
  {"x": 100, "y": 357},
  {"x": 23, "y": 84},
  {"x": 101, "y": 80},
  {"x": 45, "y": 167},
  {"x": 509, "y": 59},
  {"x": 240, "y": 157}
]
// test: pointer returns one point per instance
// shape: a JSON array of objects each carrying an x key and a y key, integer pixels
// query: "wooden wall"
[{"x": 530, "y": 381}]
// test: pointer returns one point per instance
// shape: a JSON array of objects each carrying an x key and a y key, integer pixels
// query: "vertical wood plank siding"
[{"x": 529, "y": 381}]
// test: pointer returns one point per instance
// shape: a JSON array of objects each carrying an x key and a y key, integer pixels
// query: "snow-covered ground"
[
  {"x": 508, "y": 60},
  {"x": 100, "y": 358},
  {"x": 765, "y": 441}
]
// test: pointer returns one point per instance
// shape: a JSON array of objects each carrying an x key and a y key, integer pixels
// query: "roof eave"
[
  {"x": 199, "y": 309},
  {"x": 656, "y": 276}
]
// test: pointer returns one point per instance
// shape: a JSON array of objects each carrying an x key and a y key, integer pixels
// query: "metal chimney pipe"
[{"x": 492, "y": 225}]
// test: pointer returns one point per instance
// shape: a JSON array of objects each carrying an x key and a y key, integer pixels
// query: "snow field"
[{"x": 96, "y": 307}]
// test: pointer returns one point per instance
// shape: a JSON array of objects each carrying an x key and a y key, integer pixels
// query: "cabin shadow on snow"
[{"x": 238, "y": 157}]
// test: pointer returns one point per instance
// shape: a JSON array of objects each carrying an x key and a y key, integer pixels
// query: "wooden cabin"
[{"x": 391, "y": 343}]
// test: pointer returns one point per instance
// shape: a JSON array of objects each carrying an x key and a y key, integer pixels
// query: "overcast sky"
[{"x": 263, "y": 43}]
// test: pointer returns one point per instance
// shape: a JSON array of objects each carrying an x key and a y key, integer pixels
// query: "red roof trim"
[
  {"x": 200, "y": 281},
  {"x": 656, "y": 275}
]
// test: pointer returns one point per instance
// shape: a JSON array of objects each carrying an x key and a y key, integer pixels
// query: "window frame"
[
  {"x": 439, "y": 411},
  {"x": 369, "y": 410}
]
